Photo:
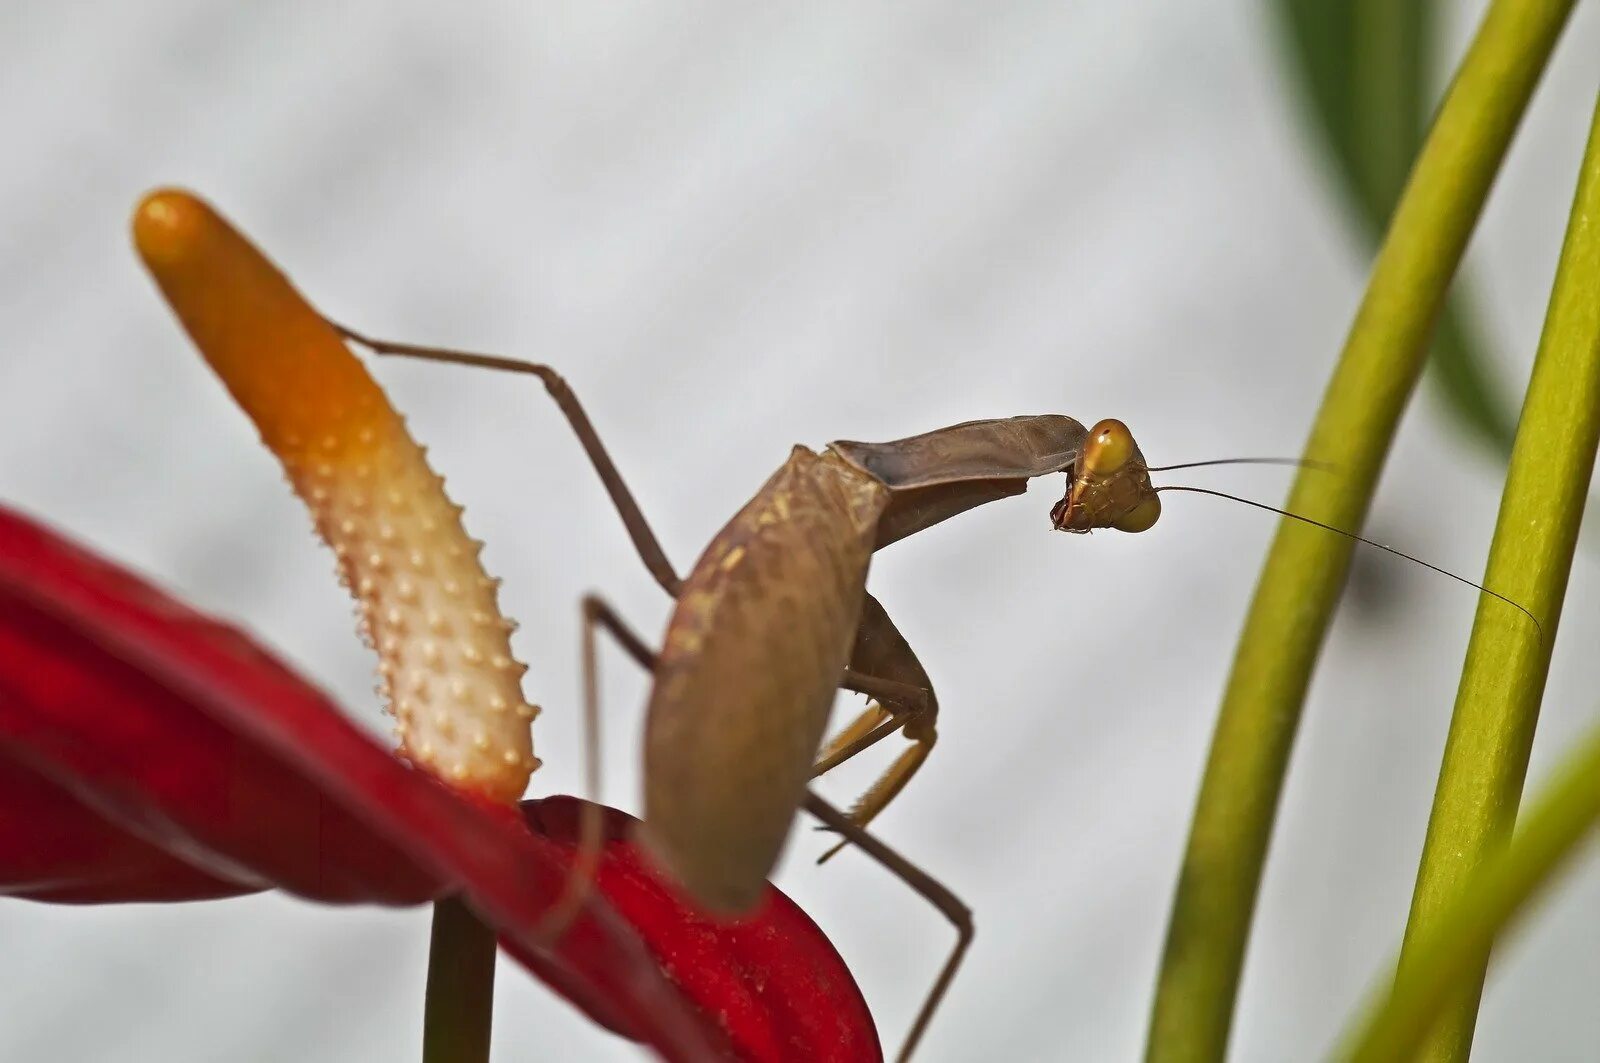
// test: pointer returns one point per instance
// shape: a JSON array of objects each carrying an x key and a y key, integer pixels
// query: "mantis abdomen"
[{"x": 747, "y": 676}]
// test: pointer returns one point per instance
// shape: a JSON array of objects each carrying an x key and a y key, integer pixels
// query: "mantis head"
[{"x": 1109, "y": 485}]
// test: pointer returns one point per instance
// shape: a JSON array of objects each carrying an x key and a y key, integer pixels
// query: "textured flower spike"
[{"x": 429, "y": 609}]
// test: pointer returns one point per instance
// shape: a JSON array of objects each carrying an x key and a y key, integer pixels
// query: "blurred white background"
[{"x": 736, "y": 227}]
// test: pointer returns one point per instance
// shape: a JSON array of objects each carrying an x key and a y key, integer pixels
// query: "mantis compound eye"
[
  {"x": 1109, "y": 448},
  {"x": 1141, "y": 517}
]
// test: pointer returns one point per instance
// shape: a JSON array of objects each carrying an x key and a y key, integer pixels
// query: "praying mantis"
[{"x": 774, "y": 618}]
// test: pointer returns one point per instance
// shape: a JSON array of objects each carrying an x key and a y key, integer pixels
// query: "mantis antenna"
[
  {"x": 1361, "y": 539},
  {"x": 1298, "y": 463}
]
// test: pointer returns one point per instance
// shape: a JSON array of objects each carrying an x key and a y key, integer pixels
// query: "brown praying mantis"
[{"x": 774, "y": 618}]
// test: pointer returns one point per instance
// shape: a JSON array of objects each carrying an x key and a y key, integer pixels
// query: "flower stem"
[
  {"x": 460, "y": 1001},
  {"x": 1502, "y": 683},
  {"x": 1305, "y": 569}
]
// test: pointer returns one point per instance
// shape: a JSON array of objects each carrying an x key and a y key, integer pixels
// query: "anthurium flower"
[{"x": 150, "y": 753}]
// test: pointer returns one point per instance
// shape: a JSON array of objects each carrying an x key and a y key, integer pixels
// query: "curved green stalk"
[
  {"x": 459, "y": 1006},
  {"x": 1497, "y": 707},
  {"x": 1446, "y": 959},
  {"x": 1305, "y": 569}
]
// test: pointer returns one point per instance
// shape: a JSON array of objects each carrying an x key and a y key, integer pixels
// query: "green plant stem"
[
  {"x": 1446, "y": 957},
  {"x": 1497, "y": 706},
  {"x": 460, "y": 1003},
  {"x": 1305, "y": 569}
]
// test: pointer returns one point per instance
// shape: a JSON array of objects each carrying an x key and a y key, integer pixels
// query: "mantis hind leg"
[
  {"x": 883, "y": 666},
  {"x": 597, "y": 614},
  {"x": 931, "y": 890},
  {"x": 644, "y": 540}
]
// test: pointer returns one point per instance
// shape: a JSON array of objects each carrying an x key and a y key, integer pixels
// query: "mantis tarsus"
[{"x": 774, "y": 618}]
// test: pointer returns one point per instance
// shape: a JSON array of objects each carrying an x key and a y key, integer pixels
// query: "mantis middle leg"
[{"x": 883, "y": 665}]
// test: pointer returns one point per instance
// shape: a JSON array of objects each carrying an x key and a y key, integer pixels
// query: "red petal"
[
  {"x": 150, "y": 752},
  {"x": 772, "y": 979},
  {"x": 52, "y": 848}
]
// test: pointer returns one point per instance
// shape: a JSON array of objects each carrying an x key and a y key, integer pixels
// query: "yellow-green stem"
[
  {"x": 459, "y": 1007},
  {"x": 1305, "y": 569},
  {"x": 1497, "y": 706},
  {"x": 1444, "y": 959}
]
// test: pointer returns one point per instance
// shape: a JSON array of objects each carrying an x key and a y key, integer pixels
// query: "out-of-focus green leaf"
[
  {"x": 1365, "y": 67},
  {"x": 1462, "y": 377}
]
